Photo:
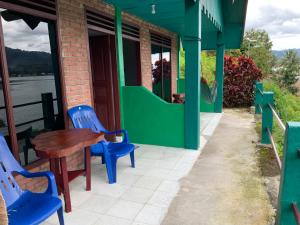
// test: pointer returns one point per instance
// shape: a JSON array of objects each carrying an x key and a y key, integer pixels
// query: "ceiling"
[{"x": 225, "y": 15}]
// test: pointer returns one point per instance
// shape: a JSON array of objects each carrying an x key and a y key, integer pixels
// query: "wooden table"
[{"x": 57, "y": 146}]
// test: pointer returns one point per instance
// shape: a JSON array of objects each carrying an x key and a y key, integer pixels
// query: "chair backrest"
[
  {"x": 84, "y": 116},
  {"x": 8, "y": 164}
]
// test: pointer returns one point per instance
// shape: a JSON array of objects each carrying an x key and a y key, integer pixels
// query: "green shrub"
[
  {"x": 208, "y": 65},
  {"x": 287, "y": 106}
]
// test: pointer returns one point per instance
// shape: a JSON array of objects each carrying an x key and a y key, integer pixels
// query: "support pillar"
[
  {"x": 192, "y": 44},
  {"x": 120, "y": 59},
  {"x": 267, "y": 117},
  {"x": 289, "y": 182},
  {"x": 178, "y": 63},
  {"x": 218, "y": 107}
]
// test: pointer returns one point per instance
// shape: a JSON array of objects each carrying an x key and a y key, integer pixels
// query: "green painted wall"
[
  {"x": 150, "y": 120},
  {"x": 180, "y": 86},
  {"x": 204, "y": 106}
]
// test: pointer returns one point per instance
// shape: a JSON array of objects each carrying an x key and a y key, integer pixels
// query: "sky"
[
  {"x": 280, "y": 18},
  {"x": 17, "y": 34}
]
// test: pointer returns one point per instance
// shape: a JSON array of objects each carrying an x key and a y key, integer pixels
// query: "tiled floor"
[{"x": 141, "y": 195}]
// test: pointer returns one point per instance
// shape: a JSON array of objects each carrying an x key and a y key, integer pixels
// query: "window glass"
[
  {"x": 131, "y": 62},
  {"x": 3, "y": 118},
  {"x": 31, "y": 53},
  {"x": 161, "y": 72},
  {"x": 156, "y": 70},
  {"x": 166, "y": 61}
]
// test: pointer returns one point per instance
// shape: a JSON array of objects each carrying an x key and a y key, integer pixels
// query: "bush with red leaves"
[{"x": 240, "y": 75}]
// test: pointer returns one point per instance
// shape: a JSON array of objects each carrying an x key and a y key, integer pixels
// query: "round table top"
[{"x": 61, "y": 143}]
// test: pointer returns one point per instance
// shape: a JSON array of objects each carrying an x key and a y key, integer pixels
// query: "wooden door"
[{"x": 105, "y": 80}]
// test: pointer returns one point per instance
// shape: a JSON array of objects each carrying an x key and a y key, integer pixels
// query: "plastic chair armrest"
[
  {"x": 52, "y": 188},
  {"x": 124, "y": 132}
]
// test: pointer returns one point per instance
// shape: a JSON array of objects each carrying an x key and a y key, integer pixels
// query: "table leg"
[
  {"x": 88, "y": 168},
  {"x": 54, "y": 168},
  {"x": 57, "y": 171},
  {"x": 65, "y": 184}
]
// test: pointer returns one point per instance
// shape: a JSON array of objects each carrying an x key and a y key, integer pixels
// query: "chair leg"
[
  {"x": 114, "y": 167},
  {"x": 132, "y": 159},
  {"x": 60, "y": 214},
  {"x": 111, "y": 168},
  {"x": 103, "y": 159},
  {"x": 25, "y": 151}
]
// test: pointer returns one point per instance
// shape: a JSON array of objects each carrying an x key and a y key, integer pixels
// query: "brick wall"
[
  {"x": 76, "y": 74},
  {"x": 75, "y": 55}
]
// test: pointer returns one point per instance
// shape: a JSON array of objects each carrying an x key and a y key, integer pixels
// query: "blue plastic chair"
[
  {"x": 84, "y": 116},
  {"x": 25, "y": 207}
]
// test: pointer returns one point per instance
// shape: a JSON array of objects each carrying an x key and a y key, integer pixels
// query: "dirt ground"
[{"x": 226, "y": 185}]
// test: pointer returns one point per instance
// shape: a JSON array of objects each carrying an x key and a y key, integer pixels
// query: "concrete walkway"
[{"x": 225, "y": 186}]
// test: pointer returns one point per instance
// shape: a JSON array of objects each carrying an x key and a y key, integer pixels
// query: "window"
[
  {"x": 161, "y": 66},
  {"x": 131, "y": 52},
  {"x": 132, "y": 68},
  {"x": 33, "y": 77}
]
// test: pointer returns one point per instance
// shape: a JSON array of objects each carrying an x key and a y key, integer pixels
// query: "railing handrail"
[
  {"x": 281, "y": 124},
  {"x": 278, "y": 160},
  {"x": 26, "y": 104},
  {"x": 287, "y": 211},
  {"x": 296, "y": 213}
]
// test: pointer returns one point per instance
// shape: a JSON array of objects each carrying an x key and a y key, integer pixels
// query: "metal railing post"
[
  {"x": 48, "y": 110},
  {"x": 258, "y": 97},
  {"x": 289, "y": 196},
  {"x": 267, "y": 117}
]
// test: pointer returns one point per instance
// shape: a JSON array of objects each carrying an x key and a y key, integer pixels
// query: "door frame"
[{"x": 115, "y": 86}]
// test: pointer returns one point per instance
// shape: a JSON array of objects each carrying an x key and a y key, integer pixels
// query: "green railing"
[{"x": 289, "y": 192}]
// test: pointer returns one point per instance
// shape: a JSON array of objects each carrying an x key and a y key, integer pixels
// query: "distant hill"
[
  {"x": 28, "y": 63},
  {"x": 280, "y": 53}
]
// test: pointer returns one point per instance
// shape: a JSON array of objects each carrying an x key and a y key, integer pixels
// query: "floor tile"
[
  {"x": 125, "y": 209},
  {"x": 161, "y": 199},
  {"x": 77, "y": 217},
  {"x": 158, "y": 172},
  {"x": 151, "y": 215},
  {"x": 139, "y": 195},
  {"x": 112, "y": 190},
  {"x": 111, "y": 220},
  {"x": 98, "y": 204},
  {"x": 148, "y": 182},
  {"x": 169, "y": 186},
  {"x": 127, "y": 179}
]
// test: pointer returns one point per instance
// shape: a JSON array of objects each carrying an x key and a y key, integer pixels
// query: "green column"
[
  {"x": 192, "y": 45},
  {"x": 219, "y": 73},
  {"x": 258, "y": 96},
  {"x": 290, "y": 176},
  {"x": 267, "y": 117},
  {"x": 178, "y": 63},
  {"x": 120, "y": 59}
]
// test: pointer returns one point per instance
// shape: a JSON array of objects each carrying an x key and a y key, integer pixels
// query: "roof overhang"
[{"x": 227, "y": 16}]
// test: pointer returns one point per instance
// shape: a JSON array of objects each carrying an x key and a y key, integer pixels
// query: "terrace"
[
  {"x": 142, "y": 195},
  {"x": 122, "y": 58}
]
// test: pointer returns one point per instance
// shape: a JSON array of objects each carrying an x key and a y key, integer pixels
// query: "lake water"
[{"x": 26, "y": 90}]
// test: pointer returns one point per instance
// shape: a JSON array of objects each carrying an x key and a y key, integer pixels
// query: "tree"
[
  {"x": 258, "y": 46},
  {"x": 289, "y": 70}
]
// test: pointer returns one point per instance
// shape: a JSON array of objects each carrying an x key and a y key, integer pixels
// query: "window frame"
[
  {"x": 162, "y": 45},
  {"x": 5, "y": 74}
]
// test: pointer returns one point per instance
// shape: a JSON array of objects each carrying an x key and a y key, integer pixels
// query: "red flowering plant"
[
  {"x": 240, "y": 74},
  {"x": 156, "y": 71}
]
